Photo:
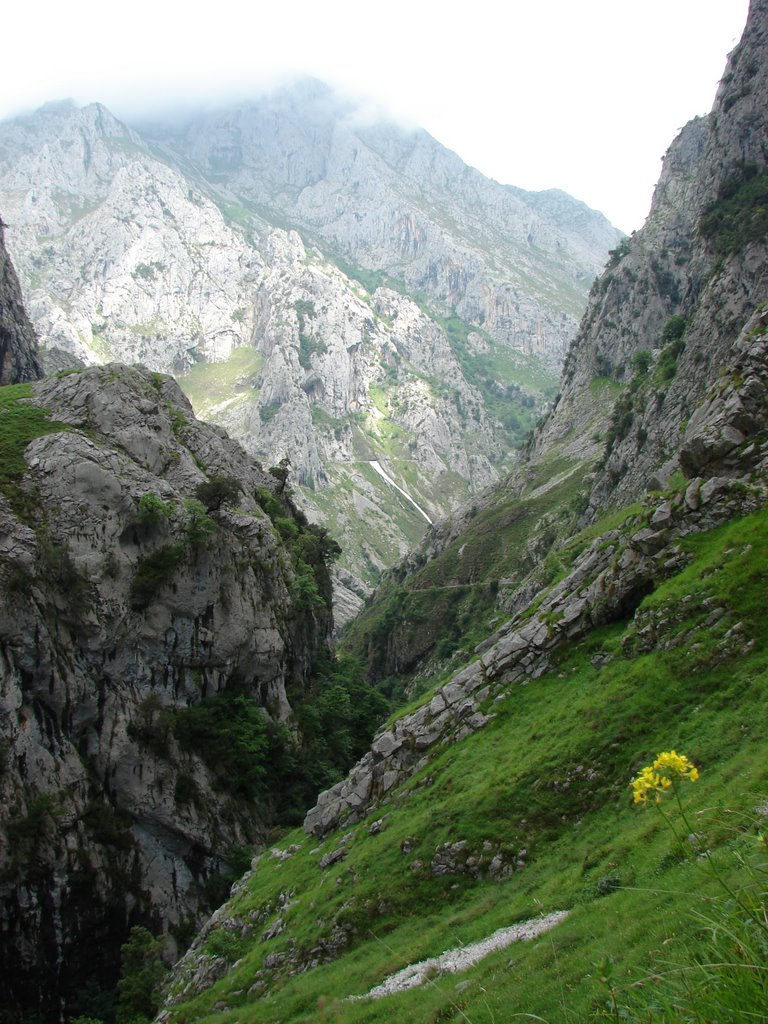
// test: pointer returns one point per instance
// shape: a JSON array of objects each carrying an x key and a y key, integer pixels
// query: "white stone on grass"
[{"x": 463, "y": 957}]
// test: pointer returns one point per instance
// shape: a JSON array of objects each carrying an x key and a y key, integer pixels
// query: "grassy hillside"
[
  {"x": 431, "y": 619},
  {"x": 541, "y": 800}
]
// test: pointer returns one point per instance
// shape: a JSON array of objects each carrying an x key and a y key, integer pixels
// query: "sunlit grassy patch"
[
  {"x": 208, "y": 385},
  {"x": 20, "y": 423}
]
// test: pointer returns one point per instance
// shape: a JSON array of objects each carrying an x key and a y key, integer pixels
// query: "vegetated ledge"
[{"x": 606, "y": 584}]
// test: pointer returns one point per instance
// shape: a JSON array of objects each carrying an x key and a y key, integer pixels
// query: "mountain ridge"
[
  {"x": 134, "y": 253},
  {"x": 326, "y": 190}
]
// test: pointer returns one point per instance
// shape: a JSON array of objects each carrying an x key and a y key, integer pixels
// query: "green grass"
[
  {"x": 548, "y": 775},
  {"x": 20, "y": 423},
  {"x": 208, "y": 385},
  {"x": 450, "y": 603},
  {"x": 605, "y": 388},
  {"x": 320, "y": 419}
]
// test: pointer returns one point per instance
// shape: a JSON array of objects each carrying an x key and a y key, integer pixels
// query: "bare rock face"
[
  {"x": 662, "y": 323},
  {"x": 156, "y": 276},
  {"x": 397, "y": 201},
  {"x": 125, "y": 603},
  {"x": 19, "y": 359}
]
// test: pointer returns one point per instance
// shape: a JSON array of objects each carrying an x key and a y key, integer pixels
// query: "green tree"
[
  {"x": 280, "y": 473},
  {"x": 198, "y": 524},
  {"x": 641, "y": 362},
  {"x": 217, "y": 491},
  {"x": 138, "y": 990},
  {"x": 674, "y": 328},
  {"x": 153, "y": 510}
]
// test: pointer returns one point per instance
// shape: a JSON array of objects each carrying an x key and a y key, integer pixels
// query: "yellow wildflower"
[{"x": 655, "y": 779}]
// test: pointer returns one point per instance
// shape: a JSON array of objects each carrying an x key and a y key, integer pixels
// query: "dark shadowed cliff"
[{"x": 18, "y": 346}]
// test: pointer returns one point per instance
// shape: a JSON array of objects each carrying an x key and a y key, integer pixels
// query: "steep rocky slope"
[
  {"x": 19, "y": 359},
  {"x": 622, "y": 566},
  {"x": 662, "y": 322},
  {"x": 136, "y": 621},
  {"x": 662, "y": 334},
  {"x": 135, "y": 251},
  {"x": 390, "y": 199}
]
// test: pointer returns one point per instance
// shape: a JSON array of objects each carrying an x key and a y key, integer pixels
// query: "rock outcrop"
[
  {"x": 19, "y": 360},
  {"x": 127, "y": 604}
]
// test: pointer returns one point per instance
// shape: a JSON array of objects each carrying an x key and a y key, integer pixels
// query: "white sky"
[{"x": 583, "y": 95}]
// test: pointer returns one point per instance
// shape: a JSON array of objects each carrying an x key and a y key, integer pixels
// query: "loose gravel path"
[{"x": 462, "y": 957}]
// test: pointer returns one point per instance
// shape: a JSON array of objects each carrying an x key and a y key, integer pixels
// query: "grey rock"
[
  {"x": 105, "y": 668},
  {"x": 385, "y": 744},
  {"x": 712, "y": 487},
  {"x": 19, "y": 359},
  {"x": 334, "y": 857},
  {"x": 649, "y": 541},
  {"x": 662, "y": 516},
  {"x": 693, "y": 494}
]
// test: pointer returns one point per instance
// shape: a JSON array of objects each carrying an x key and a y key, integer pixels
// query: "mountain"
[
  {"x": 410, "y": 327},
  {"x": 395, "y": 201},
  {"x": 601, "y": 610},
  {"x": 656, "y": 341}
]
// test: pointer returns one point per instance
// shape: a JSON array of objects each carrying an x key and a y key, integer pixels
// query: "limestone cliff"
[
  {"x": 129, "y": 605},
  {"x": 19, "y": 360},
  {"x": 119, "y": 257},
  {"x": 395, "y": 200},
  {"x": 662, "y": 322}
]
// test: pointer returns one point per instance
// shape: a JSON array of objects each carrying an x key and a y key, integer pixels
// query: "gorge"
[{"x": 169, "y": 688}]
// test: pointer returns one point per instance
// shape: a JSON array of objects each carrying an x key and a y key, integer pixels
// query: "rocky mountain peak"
[
  {"x": 662, "y": 321},
  {"x": 336, "y": 172}
]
